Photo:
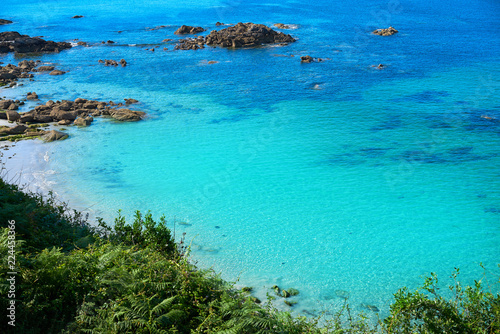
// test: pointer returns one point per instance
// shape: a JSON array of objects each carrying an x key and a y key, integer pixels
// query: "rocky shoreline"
[{"x": 81, "y": 112}]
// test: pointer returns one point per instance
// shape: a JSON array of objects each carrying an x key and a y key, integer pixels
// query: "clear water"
[{"x": 324, "y": 177}]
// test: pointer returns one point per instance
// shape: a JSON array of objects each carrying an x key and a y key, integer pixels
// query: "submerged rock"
[
  {"x": 385, "y": 32},
  {"x": 2, "y": 22}
]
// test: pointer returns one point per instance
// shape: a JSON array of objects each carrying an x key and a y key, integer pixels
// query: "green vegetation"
[{"x": 133, "y": 278}]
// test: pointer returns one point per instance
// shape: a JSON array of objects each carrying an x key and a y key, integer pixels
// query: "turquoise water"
[{"x": 324, "y": 177}]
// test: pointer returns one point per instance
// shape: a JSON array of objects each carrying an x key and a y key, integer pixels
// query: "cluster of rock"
[
  {"x": 240, "y": 35},
  {"x": 2, "y": 22},
  {"x": 184, "y": 30},
  {"x": 12, "y": 41},
  {"x": 309, "y": 59},
  {"x": 111, "y": 62},
  {"x": 80, "y": 112},
  {"x": 10, "y": 73},
  {"x": 247, "y": 34},
  {"x": 385, "y": 32}
]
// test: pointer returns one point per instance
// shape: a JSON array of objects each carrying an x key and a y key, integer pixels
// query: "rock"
[
  {"x": 36, "y": 44},
  {"x": 255, "y": 300},
  {"x": 77, "y": 17},
  {"x": 26, "y": 118},
  {"x": 290, "y": 302},
  {"x": 42, "y": 119},
  {"x": 306, "y": 59},
  {"x": 131, "y": 101},
  {"x": 50, "y": 103},
  {"x": 219, "y": 24},
  {"x": 13, "y": 106},
  {"x": 81, "y": 43},
  {"x": 2, "y": 22},
  {"x": 183, "y": 30},
  {"x": 281, "y": 26},
  {"x": 54, "y": 135},
  {"x": 285, "y": 294},
  {"x": 10, "y": 36},
  {"x": 83, "y": 121},
  {"x": 4, "y": 104},
  {"x": 3, "y": 115},
  {"x": 212, "y": 62},
  {"x": 110, "y": 62},
  {"x": 110, "y": 42},
  {"x": 32, "y": 96},
  {"x": 166, "y": 40},
  {"x": 385, "y": 32},
  {"x": 127, "y": 115},
  {"x": 15, "y": 130},
  {"x": 123, "y": 62},
  {"x": 45, "y": 68},
  {"x": 59, "y": 115},
  {"x": 80, "y": 100},
  {"x": 380, "y": 66},
  {"x": 12, "y": 115},
  {"x": 293, "y": 292},
  {"x": 246, "y": 35},
  {"x": 57, "y": 72},
  {"x": 64, "y": 122}
]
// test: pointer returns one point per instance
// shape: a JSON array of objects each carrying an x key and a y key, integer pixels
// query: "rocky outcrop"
[
  {"x": 77, "y": 17},
  {"x": 10, "y": 73},
  {"x": 184, "y": 30},
  {"x": 247, "y": 35},
  {"x": 2, "y": 22},
  {"x": 12, "y": 41},
  {"x": 238, "y": 36},
  {"x": 385, "y": 32},
  {"x": 81, "y": 112}
]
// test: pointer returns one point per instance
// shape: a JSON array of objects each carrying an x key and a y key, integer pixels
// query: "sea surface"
[{"x": 334, "y": 178}]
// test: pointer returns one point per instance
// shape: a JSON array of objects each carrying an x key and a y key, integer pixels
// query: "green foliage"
[{"x": 469, "y": 310}]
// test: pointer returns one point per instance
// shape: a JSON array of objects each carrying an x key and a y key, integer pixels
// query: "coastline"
[{"x": 343, "y": 234}]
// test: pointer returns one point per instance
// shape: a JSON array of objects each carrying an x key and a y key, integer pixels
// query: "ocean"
[{"x": 334, "y": 177}]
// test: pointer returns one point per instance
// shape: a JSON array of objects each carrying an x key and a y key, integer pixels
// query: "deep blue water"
[{"x": 325, "y": 177}]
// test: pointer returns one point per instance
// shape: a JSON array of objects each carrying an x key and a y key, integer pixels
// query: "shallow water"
[{"x": 325, "y": 177}]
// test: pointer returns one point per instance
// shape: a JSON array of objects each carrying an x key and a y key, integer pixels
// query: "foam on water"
[{"x": 356, "y": 188}]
